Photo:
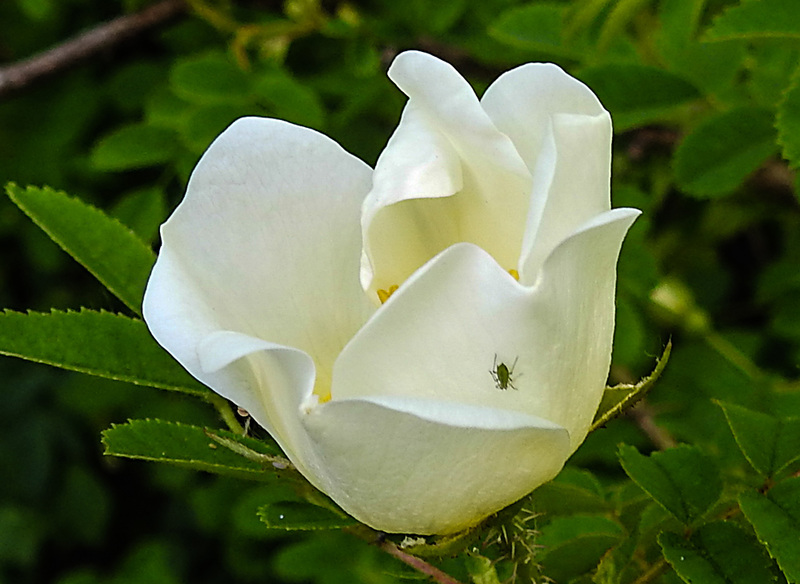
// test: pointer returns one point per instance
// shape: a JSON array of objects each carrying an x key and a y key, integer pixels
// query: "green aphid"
[{"x": 502, "y": 374}]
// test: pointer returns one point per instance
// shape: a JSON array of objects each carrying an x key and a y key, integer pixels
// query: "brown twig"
[
  {"x": 642, "y": 415},
  {"x": 102, "y": 37},
  {"x": 418, "y": 564}
]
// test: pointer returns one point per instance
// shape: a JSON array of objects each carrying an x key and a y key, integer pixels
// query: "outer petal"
[
  {"x": 422, "y": 466},
  {"x": 263, "y": 254},
  {"x": 438, "y": 336},
  {"x": 455, "y": 150}
]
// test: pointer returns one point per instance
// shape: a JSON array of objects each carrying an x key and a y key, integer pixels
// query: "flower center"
[{"x": 383, "y": 295}]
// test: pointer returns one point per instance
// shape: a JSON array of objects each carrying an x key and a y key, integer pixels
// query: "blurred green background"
[{"x": 706, "y": 108}]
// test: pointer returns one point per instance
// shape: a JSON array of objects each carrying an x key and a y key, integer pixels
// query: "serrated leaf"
[
  {"x": 638, "y": 94},
  {"x": 98, "y": 343},
  {"x": 188, "y": 446},
  {"x": 616, "y": 400},
  {"x": 538, "y": 27},
  {"x": 683, "y": 480},
  {"x": 788, "y": 121},
  {"x": 720, "y": 153},
  {"x": 717, "y": 553},
  {"x": 769, "y": 443},
  {"x": 104, "y": 246},
  {"x": 775, "y": 516},
  {"x": 301, "y": 516},
  {"x": 757, "y": 19},
  {"x": 137, "y": 145}
]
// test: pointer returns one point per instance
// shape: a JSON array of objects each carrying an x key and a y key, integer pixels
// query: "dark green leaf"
[
  {"x": 788, "y": 121},
  {"x": 537, "y": 27},
  {"x": 768, "y": 443},
  {"x": 572, "y": 491},
  {"x": 101, "y": 244},
  {"x": 720, "y": 153},
  {"x": 683, "y": 480},
  {"x": 621, "y": 397},
  {"x": 190, "y": 447},
  {"x": 776, "y": 519},
  {"x": 573, "y": 545},
  {"x": 210, "y": 78},
  {"x": 98, "y": 343},
  {"x": 757, "y": 19},
  {"x": 717, "y": 553},
  {"x": 291, "y": 100},
  {"x": 656, "y": 96},
  {"x": 296, "y": 515},
  {"x": 135, "y": 146}
]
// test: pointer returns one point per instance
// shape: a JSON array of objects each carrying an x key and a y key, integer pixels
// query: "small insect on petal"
[{"x": 501, "y": 374}]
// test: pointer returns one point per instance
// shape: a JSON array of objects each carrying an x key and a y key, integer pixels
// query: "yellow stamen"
[
  {"x": 323, "y": 399},
  {"x": 383, "y": 295},
  {"x": 514, "y": 274}
]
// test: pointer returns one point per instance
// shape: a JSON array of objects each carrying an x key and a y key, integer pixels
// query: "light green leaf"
[
  {"x": 720, "y": 153},
  {"x": 775, "y": 516},
  {"x": 137, "y": 145},
  {"x": 98, "y": 343},
  {"x": 683, "y": 480},
  {"x": 769, "y": 443},
  {"x": 637, "y": 94},
  {"x": 300, "y": 516},
  {"x": 757, "y": 19},
  {"x": 537, "y": 27},
  {"x": 788, "y": 121},
  {"x": 104, "y": 246},
  {"x": 717, "y": 553},
  {"x": 622, "y": 397},
  {"x": 190, "y": 447}
]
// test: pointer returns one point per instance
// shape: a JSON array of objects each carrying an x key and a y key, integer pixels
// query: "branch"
[
  {"x": 21, "y": 74},
  {"x": 418, "y": 564}
]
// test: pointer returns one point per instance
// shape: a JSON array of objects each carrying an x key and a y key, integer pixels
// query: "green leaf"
[
  {"x": 574, "y": 545},
  {"x": 572, "y": 491},
  {"x": 300, "y": 516},
  {"x": 769, "y": 443},
  {"x": 720, "y": 153},
  {"x": 717, "y": 553},
  {"x": 137, "y": 145},
  {"x": 757, "y": 19},
  {"x": 788, "y": 121},
  {"x": 291, "y": 100},
  {"x": 657, "y": 93},
  {"x": 683, "y": 480},
  {"x": 538, "y": 27},
  {"x": 98, "y": 343},
  {"x": 210, "y": 78},
  {"x": 775, "y": 516},
  {"x": 190, "y": 447},
  {"x": 622, "y": 397},
  {"x": 104, "y": 246}
]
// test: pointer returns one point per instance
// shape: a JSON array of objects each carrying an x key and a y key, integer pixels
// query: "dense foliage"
[{"x": 699, "y": 483}]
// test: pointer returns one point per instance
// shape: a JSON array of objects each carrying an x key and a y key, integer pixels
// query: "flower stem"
[{"x": 226, "y": 413}]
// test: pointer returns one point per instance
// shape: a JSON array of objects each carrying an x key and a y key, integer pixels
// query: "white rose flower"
[{"x": 480, "y": 375}]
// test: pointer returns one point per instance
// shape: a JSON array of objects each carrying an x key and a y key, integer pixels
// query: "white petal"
[
  {"x": 438, "y": 336},
  {"x": 422, "y": 466},
  {"x": 263, "y": 249},
  {"x": 461, "y": 152},
  {"x": 521, "y": 101},
  {"x": 572, "y": 184}
]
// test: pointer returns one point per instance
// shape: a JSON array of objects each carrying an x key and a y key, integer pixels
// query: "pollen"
[
  {"x": 383, "y": 295},
  {"x": 514, "y": 274}
]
